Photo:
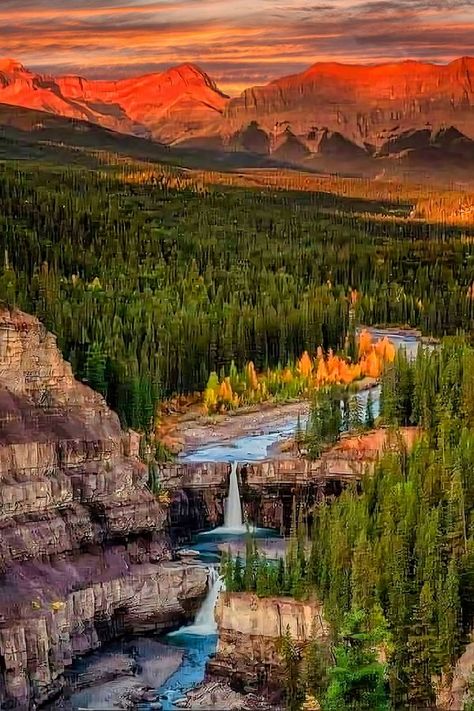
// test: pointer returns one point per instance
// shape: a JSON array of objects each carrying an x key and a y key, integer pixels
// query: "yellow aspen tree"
[
  {"x": 365, "y": 342},
  {"x": 251, "y": 375},
  {"x": 305, "y": 365},
  {"x": 321, "y": 372}
]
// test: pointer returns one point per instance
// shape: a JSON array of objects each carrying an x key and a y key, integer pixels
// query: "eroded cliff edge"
[
  {"x": 83, "y": 554},
  {"x": 250, "y": 629}
]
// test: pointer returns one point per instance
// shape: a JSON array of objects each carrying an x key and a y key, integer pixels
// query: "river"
[{"x": 195, "y": 643}]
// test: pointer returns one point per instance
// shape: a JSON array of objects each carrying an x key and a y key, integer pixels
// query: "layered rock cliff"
[
  {"x": 249, "y": 632},
  {"x": 362, "y": 102},
  {"x": 83, "y": 555}
]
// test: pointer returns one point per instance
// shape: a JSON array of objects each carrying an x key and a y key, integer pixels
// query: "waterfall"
[
  {"x": 205, "y": 616},
  {"x": 233, "y": 519},
  {"x": 204, "y": 623}
]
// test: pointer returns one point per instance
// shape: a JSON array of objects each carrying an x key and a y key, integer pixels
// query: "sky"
[{"x": 240, "y": 43}]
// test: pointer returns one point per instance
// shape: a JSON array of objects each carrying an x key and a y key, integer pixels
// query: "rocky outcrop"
[
  {"x": 249, "y": 632},
  {"x": 454, "y": 693},
  {"x": 219, "y": 696},
  {"x": 83, "y": 554}
]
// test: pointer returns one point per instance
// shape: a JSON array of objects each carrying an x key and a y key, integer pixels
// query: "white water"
[
  {"x": 233, "y": 519},
  {"x": 205, "y": 623}
]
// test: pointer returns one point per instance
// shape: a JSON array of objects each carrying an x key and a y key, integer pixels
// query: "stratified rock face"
[
  {"x": 362, "y": 101},
  {"x": 83, "y": 556},
  {"x": 453, "y": 692},
  {"x": 249, "y": 632},
  {"x": 365, "y": 104},
  {"x": 174, "y": 105}
]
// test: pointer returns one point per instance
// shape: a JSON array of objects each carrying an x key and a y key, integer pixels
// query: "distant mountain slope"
[
  {"x": 354, "y": 120},
  {"x": 174, "y": 105},
  {"x": 38, "y": 135},
  {"x": 363, "y": 102}
]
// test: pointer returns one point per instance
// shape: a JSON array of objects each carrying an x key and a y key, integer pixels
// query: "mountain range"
[{"x": 362, "y": 120}]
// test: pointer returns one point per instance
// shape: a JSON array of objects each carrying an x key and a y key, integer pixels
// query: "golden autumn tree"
[
  {"x": 365, "y": 342},
  {"x": 210, "y": 393},
  {"x": 386, "y": 350},
  {"x": 225, "y": 393},
  {"x": 371, "y": 365},
  {"x": 251, "y": 376},
  {"x": 321, "y": 372},
  {"x": 305, "y": 365}
]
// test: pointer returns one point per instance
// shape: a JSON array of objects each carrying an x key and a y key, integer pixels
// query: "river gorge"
[{"x": 89, "y": 556}]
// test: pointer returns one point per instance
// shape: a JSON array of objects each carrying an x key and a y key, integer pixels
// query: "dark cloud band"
[{"x": 239, "y": 43}]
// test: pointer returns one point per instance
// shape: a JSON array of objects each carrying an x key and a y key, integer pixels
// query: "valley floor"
[{"x": 187, "y": 432}]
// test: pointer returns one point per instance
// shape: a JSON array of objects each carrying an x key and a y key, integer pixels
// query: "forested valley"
[
  {"x": 393, "y": 559},
  {"x": 160, "y": 281},
  {"x": 154, "y": 278}
]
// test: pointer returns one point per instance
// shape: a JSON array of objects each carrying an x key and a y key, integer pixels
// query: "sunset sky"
[{"x": 238, "y": 42}]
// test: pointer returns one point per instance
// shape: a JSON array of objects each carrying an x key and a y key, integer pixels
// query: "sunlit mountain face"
[{"x": 346, "y": 118}]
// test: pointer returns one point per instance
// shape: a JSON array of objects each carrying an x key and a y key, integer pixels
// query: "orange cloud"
[{"x": 240, "y": 43}]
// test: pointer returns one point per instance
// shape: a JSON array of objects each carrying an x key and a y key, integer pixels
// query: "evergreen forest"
[
  {"x": 393, "y": 558},
  {"x": 154, "y": 278}
]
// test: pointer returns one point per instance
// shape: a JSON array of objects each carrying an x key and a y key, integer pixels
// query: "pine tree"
[
  {"x": 317, "y": 660},
  {"x": 251, "y": 563},
  {"x": 299, "y": 434},
  {"x": 355, "y": 414},
  {"x": 357, "y": 680},
  {"x": 420, "y": 646},
  {"x": 450, "y": 616},
  {"x": 456, "y": 516},
  {"x": 237, "y": 577},
  {"x": 369, "y": 412},
  {"x": 292, "y": 665},
  {"x": 262, "y": 582},
  {"x": 281, "y": 577},
  {"x": 95, "y": 367}
]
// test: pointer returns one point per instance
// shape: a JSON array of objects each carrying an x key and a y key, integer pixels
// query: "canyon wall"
[
  {"x": 456, "y": 690},
  {"x": 249, "y": 632},
  {"x": 198, "y": 490},
  {"x": 83, "y": 552}
]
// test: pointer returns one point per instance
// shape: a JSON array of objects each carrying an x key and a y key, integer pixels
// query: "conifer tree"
[
  {"x": 369, "y": 412},
  {"x": 292, "y": 664},
  {"x": 357, "y": 680}
]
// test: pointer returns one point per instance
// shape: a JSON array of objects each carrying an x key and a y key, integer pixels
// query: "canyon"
[
  {"x": 84, "y": 556},
  {"x": 87, "y": 553},
  {"x": 404, "y": 118},
  {"x": 270, "y": 487}
]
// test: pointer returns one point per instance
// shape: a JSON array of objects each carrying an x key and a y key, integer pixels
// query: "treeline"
[
  {"x": 400, "y": 552},
  {"x": 404, "y": 548},
  {"x": 266, "y": 577},
  {"x": 152, "y": 282}
]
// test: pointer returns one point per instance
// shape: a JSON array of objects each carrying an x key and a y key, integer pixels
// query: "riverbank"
[
  {"x": 125, "y": 675},
  {"x": 190, "y": 431},
  {"x": 187, "y": 428},
  {"x": 219, "y": 696}
]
